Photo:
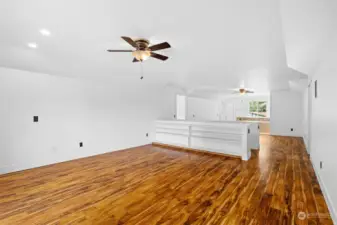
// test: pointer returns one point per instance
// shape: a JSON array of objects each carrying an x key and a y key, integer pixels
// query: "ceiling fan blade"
[
  {"x": 109, "y": 50},
  {"x": 250, "y": 92},
  {"x": 130, "y": 41},
  {"x": 158, "y": 56},
  {"x": 135, "y": 60},
  {"x": 160, "y": 46}
]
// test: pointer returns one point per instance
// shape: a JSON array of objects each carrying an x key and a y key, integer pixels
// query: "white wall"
[
  {"x": 104, "y": 116},
  {"x": 311, "y": 45},
  {"x": 241, "y": 105},
  {"x": 181, "y": 106},
  {"x": 323, "y": 147},
  {"x": 169, "y": 98},
  {"x": 305, "y": 119},
  {"x": 202, "y": 109},
  {"x": 197, "y": 108},
  {"x": 286, "y": 113},
  {"x": 307, "y": 28}
]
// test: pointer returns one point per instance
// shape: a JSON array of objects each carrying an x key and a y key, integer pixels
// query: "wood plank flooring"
[{"x": 155, "y": 185}]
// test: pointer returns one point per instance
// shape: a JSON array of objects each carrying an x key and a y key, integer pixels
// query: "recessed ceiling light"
[
  {"x": 32, "y": 45},
  {"x": 45, "y": 32}
]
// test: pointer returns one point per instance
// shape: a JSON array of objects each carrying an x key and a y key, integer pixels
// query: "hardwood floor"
[{"x": 153, "y": 185}]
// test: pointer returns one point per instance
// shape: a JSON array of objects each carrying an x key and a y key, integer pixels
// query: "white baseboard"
[
  {"x": 326, "y": 195},
  {"x": 292, "y": 134},
  {"x": 306, "y": 143},
  {"x": 9, "y": 168},
  {"x": 5, "y": 169},
  {"x": 14, "y": 168}
]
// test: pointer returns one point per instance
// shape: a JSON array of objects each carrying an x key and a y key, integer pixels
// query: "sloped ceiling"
[
  {"x": 308, "y": 26},
  {"x": 216, "y": 44}
]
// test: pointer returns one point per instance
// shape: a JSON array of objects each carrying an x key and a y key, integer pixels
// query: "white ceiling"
[
  {"x": 216, "y": 44},
  {"x": 308, "y": 26}
]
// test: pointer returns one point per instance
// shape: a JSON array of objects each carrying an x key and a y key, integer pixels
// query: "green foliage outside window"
[{"x": 257, "y": 108}]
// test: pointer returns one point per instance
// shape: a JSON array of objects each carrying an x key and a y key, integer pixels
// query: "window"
[
  {"x": 258, "y": 108},
  {"x": 181, "y": 107}
]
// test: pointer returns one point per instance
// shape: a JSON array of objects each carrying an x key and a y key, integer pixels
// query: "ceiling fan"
[
  {"x": 143, "y": 51},
  {"x": 243, "y": 91}
]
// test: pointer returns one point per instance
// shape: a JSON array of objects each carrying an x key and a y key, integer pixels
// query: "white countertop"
[{"x": 211, "y": 123}]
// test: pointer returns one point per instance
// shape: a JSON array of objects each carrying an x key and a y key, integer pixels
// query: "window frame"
[{"x": 257, "y": 113}]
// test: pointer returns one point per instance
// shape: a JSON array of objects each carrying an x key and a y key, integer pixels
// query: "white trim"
[
  {"x": 4, "y": 169},
  {"x": 305, "y": 140},
  {"x": 20, "y": 167},
  {"x": 326, "y": 195}
]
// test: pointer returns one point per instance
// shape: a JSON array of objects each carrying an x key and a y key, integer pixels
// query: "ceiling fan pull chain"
[{"x": 141, "y": 70}]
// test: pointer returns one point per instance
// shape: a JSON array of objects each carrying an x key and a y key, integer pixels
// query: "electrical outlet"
[
  {"x": 81, "y": 144},
  {"x": 35, "y": 119},
  {"x": 147, "y": 134},
  {"x": 292, "y": 129},
  {"x": 321, "y": 164}
]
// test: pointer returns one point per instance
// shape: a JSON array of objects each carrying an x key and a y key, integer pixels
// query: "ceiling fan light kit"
[
  {"x": 143, "y": 51},
  {"x": 141, "y": 55}
]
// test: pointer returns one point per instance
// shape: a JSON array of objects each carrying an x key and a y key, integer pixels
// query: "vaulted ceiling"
[
  {"x": 308, "y": 29},
  {"x": 216, "y": 44}
]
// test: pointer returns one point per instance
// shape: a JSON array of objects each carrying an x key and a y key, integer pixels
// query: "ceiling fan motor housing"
[{"x": 142, "y": 44}]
